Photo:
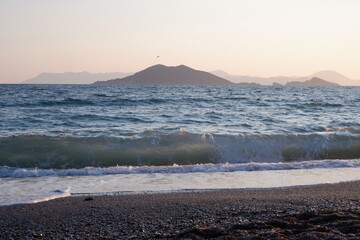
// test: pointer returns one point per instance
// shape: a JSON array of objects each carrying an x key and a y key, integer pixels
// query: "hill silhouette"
[
  {"x": 73, "y": 77},
  {"x": 315, "y": 81},
  {"x": 328, "y": 75},
  {"x": 165, "y": 75},
  {"x": 334, "y": 77}
]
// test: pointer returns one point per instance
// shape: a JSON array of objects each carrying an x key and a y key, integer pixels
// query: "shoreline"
[
  {"x": 194, "y": 190},
  {"x": 323, "y": 211}
]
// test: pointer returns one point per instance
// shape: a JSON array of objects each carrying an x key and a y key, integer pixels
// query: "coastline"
[{"x": 325, "y": 211}]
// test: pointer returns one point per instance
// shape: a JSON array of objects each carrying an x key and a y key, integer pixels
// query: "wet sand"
[{"x": 330, "y": 211}]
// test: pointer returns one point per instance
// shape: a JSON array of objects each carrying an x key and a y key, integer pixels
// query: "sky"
[{"x": 245, "y": 37}]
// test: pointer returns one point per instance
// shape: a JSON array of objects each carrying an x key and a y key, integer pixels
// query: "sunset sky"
[{"x": 246, "y": 37}]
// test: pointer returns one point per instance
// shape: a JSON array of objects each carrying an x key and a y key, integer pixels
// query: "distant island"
[
  {"x": 73, "y": 78},
  {"x": 183, "y": 75},
  {"x": 248, "y": 84},
  {"x": 330, "y": 76},
  {"x": 165, "y": 75},
  {"x": 314, "y": 82}
]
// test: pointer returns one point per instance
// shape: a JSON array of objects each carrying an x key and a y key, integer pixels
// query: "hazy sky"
[{"x": 248, "y": 37}]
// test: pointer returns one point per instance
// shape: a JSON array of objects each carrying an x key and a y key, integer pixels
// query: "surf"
[{"x": 157, "y": 148}]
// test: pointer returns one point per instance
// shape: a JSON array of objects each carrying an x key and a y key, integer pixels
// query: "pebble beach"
[{"x": 327, "y": 211}]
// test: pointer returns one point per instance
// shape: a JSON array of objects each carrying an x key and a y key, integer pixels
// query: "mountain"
[
  {"x": 331, "y": 76},
  {"x": 221, "y": 73},
  {"x": 315, "y": 81},
  {"x": 248, "y": 84},
  {"x": 164, "y": 75},
  {"x": 73, "y": 78},
  {"x": 275, "y": 84},
  {"x": 335, "y": 77},
  {"x": 89, "y": 78},
  {"x": 254, "y": 79}
]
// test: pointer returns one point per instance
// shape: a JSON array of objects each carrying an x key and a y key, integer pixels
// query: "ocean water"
[{"x": 59, "y": 140}]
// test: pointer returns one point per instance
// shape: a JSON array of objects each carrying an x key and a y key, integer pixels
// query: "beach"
[
  {"x": 177, "y": 162},
  {"x": 327, "y": 211},
  {"x": 179, "y": 120}
]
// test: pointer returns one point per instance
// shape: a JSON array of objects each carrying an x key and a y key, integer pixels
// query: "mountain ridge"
[
  {"x": 169, "y": 75},
  {"x": 328, "y": 75},
  {"x": 313, "y": 82},
  {"x": 89, "y": 78},
  {"x": 72, "y": 77}
]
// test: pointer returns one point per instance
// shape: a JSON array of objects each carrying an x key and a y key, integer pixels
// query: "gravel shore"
[{"x": 330, "y": 211}]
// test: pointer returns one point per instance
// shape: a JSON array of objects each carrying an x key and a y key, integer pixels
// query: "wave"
[
  {"x": 11, "y": 172},
  {"x": 67, "y": 101},
  {"x": 314, "y": 105},
  {"x": 49, "y": 103},
  {"x": 350, "y": 130},
  {"x": 99, "y": 100},
  {"x": 320, "y": 104},
  {"x": 128, "y": 101},
  {"x": 156, "y": 148}
]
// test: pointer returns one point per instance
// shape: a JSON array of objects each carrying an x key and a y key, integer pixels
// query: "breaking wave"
[
  {"x": 156, "y": 148},
  {"x": 11, "y": 172}
]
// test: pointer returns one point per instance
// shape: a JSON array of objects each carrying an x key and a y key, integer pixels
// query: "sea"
[{"x": 66, "y": 140}]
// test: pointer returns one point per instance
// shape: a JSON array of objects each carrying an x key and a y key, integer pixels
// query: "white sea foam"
[
  {"x": 21, "y": 192},
  {"x": 30, "y": 190},
  {"x": 8, "y": 172}
]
